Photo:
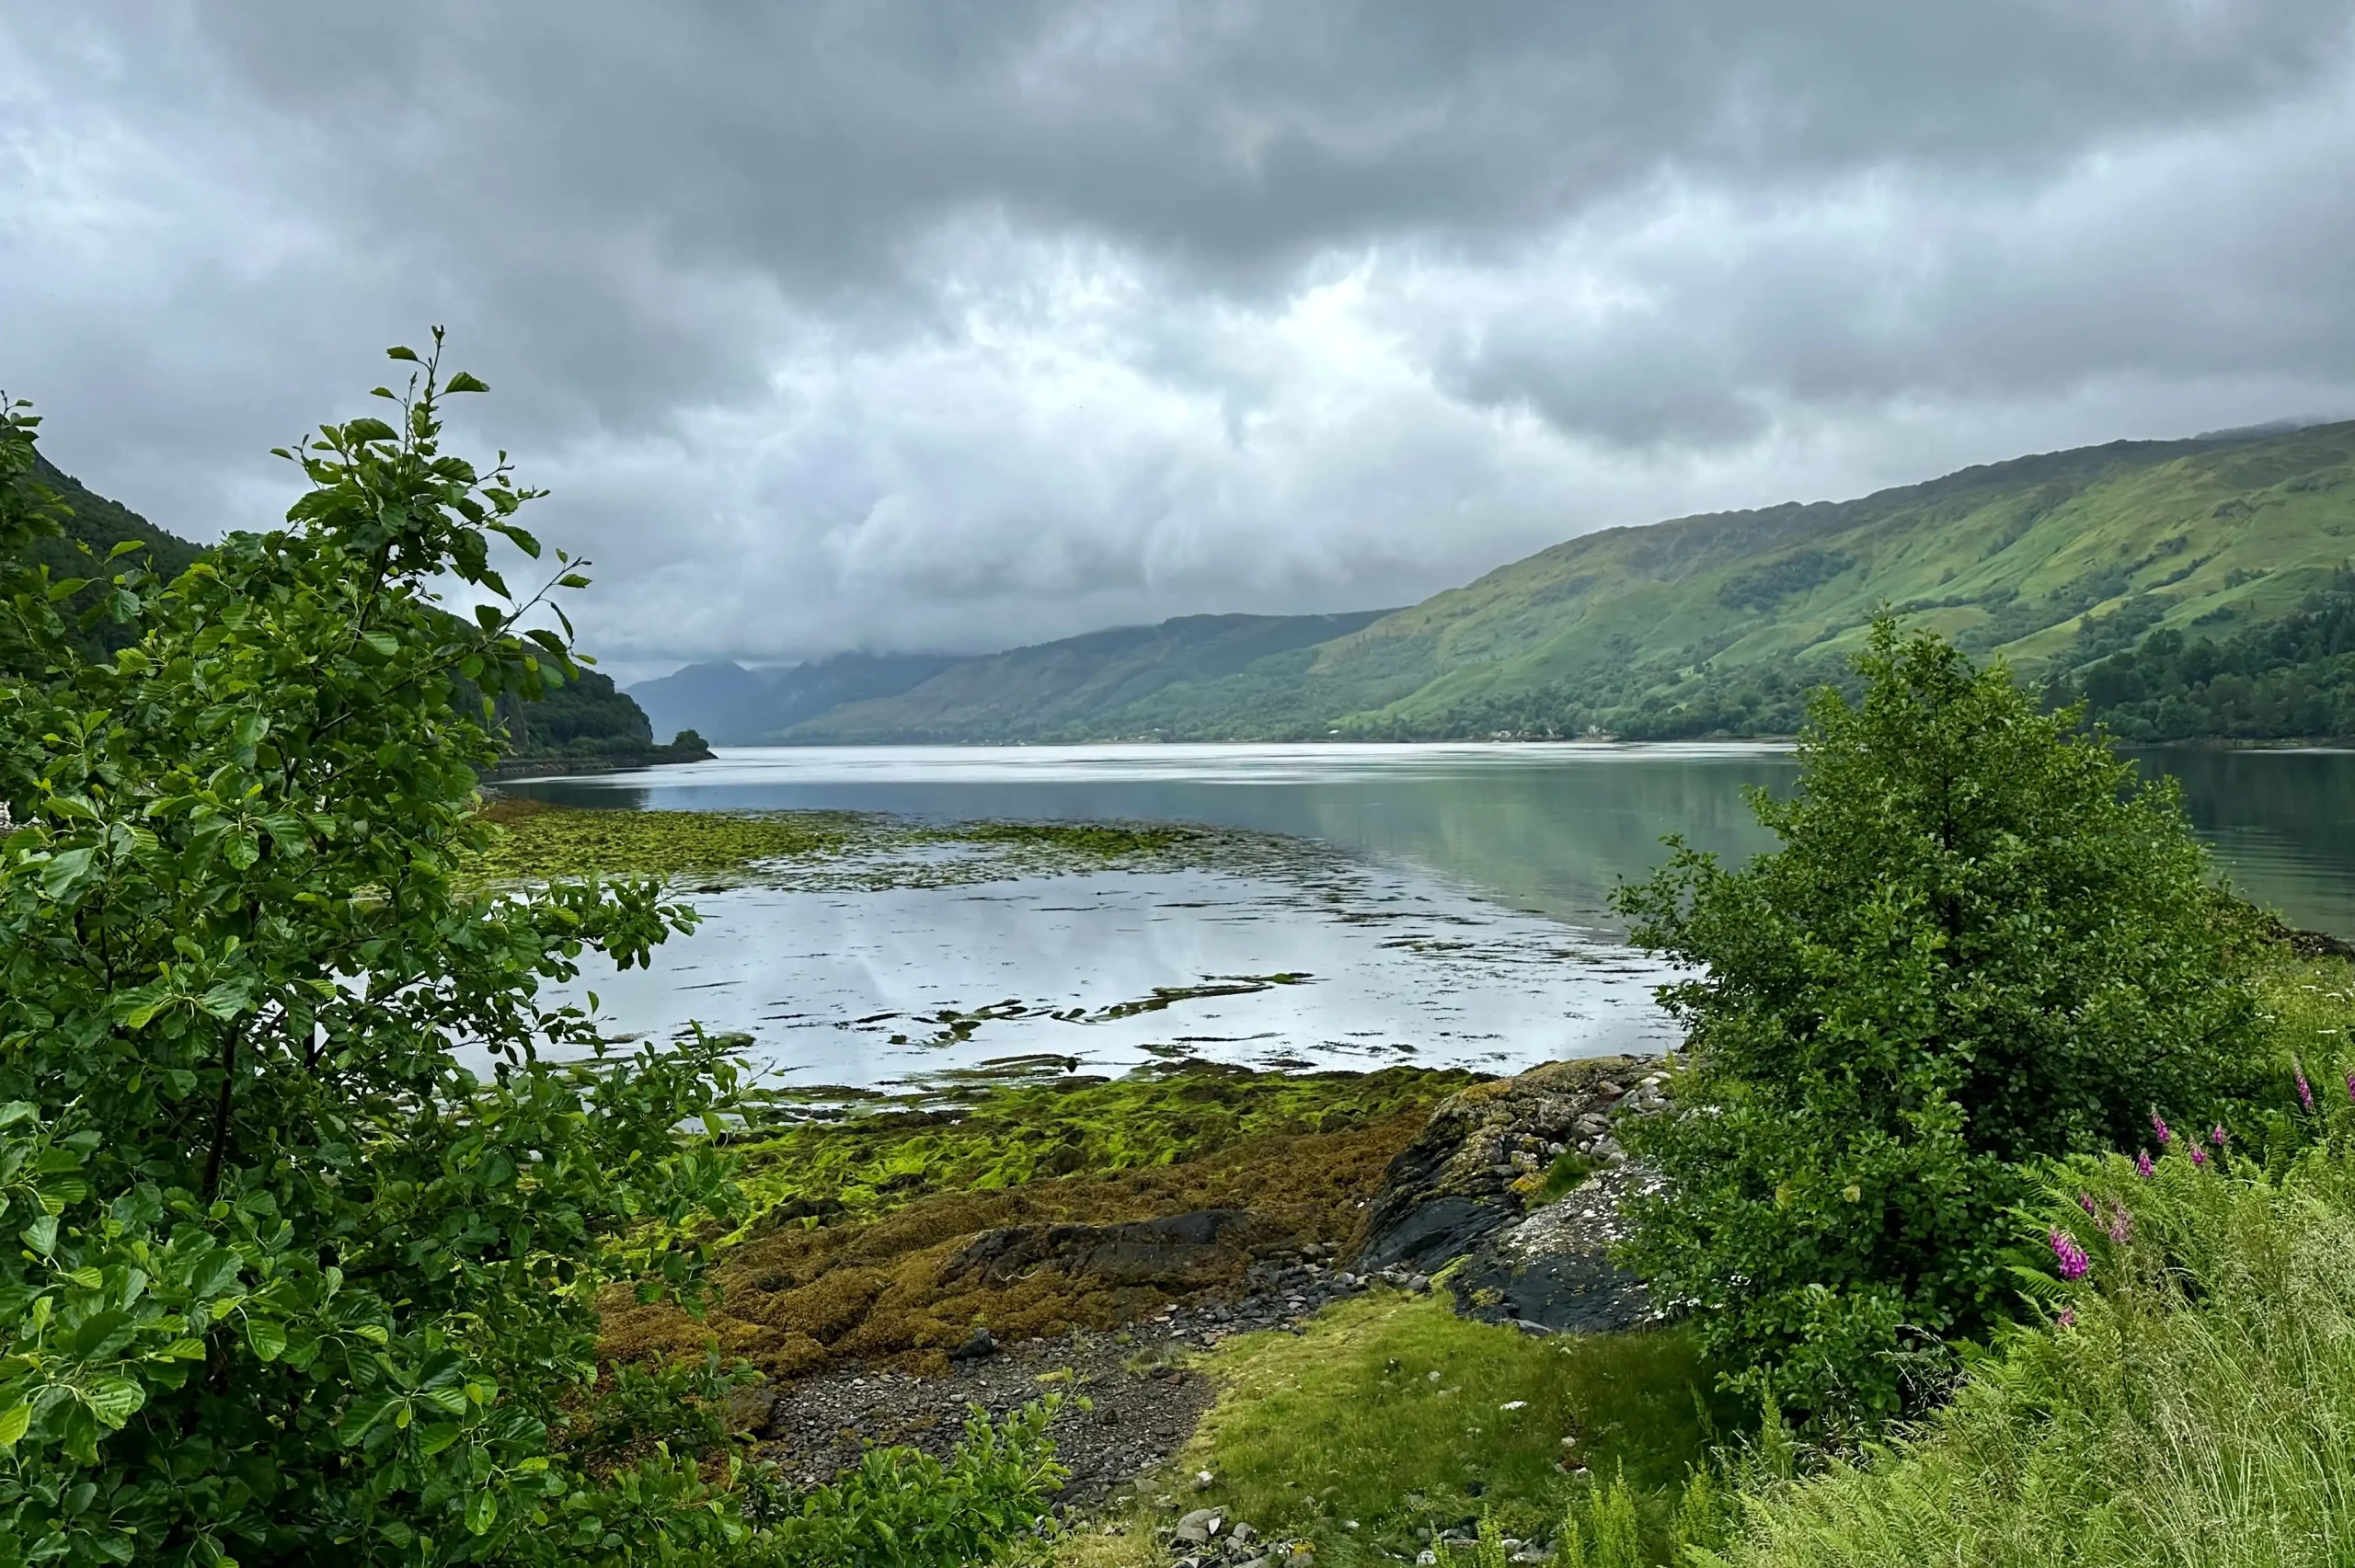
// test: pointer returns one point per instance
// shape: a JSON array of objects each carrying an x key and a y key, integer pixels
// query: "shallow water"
[
  {"x": 1453, "y": 900},
  {"x": 1111, "y": 970}
]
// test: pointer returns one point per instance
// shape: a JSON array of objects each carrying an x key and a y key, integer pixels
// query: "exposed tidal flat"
[{"x": 925, "y": 913}]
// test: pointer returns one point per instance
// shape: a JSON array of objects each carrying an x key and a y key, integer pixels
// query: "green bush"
[
  {"x": 902, "y": 1508},
  {"x": 1980, "y": 942},
  {"x": 311, "y": 1195}
]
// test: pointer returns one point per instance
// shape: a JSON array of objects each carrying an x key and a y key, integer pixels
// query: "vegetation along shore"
[{"x": 1995, "y": 1206}]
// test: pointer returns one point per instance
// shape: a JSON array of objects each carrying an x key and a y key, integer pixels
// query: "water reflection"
[
  {"x": 1545, "y": 828},
  {"x": 1108, "y": 971}
]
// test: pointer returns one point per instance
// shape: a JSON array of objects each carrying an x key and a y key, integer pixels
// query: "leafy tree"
[
  {"x": 310, "y": 1192},
  {"x": 1981, "y": 942}
]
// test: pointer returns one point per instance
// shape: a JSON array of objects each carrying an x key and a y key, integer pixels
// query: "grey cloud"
[{"x": 909, "y": 324}]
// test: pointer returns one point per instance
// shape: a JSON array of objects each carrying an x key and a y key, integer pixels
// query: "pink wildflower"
[
  {"x": 2159, "y": 1126},
  {"x": 2086, "y": 1202},
  {"x": 2350, "y": 1088},
  {"x": 2199, "y": 1156},
  {"x": 2217, "y": 1137},
  {"x": 2070, "y": 1256},
  {"x": 2121, "y": 1225},
  {"x": 2068, "y": 1317},
  {"x": 2142, "y": 1162},
  {"x": 2306, "y": 1092}
]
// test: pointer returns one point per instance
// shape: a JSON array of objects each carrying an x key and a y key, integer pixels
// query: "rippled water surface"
[{"x": 1445, "y": 903}]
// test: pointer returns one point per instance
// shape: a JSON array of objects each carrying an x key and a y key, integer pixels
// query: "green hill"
[
  {"x": 1717, "y": 625},
  {"x": 586, "y": 718}
]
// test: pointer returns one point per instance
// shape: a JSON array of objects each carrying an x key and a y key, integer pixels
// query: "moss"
[
  {"x": 815, "y": 849},
  {"x": 860, "y": 1220}
]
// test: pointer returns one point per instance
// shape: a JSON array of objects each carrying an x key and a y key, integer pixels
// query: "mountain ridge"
[{"x": 1713, "y": 624}]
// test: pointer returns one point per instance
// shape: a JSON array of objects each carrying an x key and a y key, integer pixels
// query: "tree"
[
  {"x": 1980, "y": 942},
  {"x": 311, "y": 1192}
]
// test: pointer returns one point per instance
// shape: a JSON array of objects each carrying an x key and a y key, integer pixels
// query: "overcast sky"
[{"x": 957, "y": 325}]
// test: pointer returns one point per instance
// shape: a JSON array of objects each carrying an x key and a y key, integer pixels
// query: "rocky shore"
[{"x": 1508, "y": 1198}]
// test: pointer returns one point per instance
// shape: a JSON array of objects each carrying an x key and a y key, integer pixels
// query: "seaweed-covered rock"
[{"x": 1176, "y": 1251}]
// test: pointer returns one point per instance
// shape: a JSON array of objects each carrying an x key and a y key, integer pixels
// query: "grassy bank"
[
  {"x": 1391, "y": 1417},
  {"x": 2197, "y": 1406}
]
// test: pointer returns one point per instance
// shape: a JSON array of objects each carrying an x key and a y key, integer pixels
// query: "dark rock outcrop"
[{"x": 1461, "y": 1194}]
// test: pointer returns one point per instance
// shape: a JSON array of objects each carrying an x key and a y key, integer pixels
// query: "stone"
[
  {"x": 752, "y": 1409},
  {"x": 978, "y": 1346},
  {"x": 1196, "y": 1528}
]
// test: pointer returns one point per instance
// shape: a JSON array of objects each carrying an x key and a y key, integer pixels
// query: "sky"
[{"x": 945, "y": 326}]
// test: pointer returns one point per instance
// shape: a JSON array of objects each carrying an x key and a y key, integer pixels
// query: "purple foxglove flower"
[
  {"x": 2068, "y": 1317},
  {"x": 2121, "y": 1225},
  {"x": 2086, "y": 1202},
  {"x": 2159, "y": 1126},
  {"x": 2306, "y": 1092},
  {"x": 2070, "y": 1257},
  {"x": 2142, "y": 1162},
  {"x": 2350, "y": 1088},
  {"x": 2199, "y": 1156}
]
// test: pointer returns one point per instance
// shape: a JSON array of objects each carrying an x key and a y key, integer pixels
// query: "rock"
[
  {"x": 1196, "y": 1528},
  {"x": 1457, "y": 1183},
  {"x": 978, "y": 1346},
  {"x": 1530, "y": 1327},
  {"x": 1242, "y": 1532}
]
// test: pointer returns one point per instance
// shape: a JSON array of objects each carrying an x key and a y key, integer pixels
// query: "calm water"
[{"x": 1455, "y": 911}]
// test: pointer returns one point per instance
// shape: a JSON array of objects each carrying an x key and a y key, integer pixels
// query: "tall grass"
[{"x": 2192, "y": 1402}]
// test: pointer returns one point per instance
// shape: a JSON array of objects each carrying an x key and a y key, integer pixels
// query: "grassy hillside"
[
  {"x": 1667, "y": 629},
  {"x": 1719, "y": 624},
  {"x": 1080, "y": 687}
]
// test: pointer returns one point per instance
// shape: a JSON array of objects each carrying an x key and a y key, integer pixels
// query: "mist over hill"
[{"x": 1715, "y": 625}]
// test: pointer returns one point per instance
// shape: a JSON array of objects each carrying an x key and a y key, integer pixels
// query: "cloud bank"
[{"x": 905, "y": 326}]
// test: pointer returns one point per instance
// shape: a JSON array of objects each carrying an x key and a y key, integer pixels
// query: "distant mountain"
[
  {"x": 734, "y": 706},
  {"x": 1079, "y": 687},
  {"x": 1718, "y": 625}
]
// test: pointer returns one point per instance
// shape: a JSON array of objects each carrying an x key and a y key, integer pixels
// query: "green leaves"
[
  {"x": 287, "y": 1266},
  {"x": 1980, "y": 942}
]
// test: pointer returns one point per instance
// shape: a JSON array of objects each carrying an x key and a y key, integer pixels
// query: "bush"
[
  {"x": 1979, "y": 944},
  {"x": 902, "y": 1508},
  {"x": 312, "y": 1195}
]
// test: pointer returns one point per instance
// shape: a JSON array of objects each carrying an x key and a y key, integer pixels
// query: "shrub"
[
  {"x": 311, "y": 1194},
  {"x": 902, "y": 1508},
  {"x": 1979, "y": 943}
]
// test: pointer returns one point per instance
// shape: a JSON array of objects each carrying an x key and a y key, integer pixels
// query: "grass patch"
[
  {"x": 1393, "y": 1412},
  {"x": 1563, "y": 1178}
]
